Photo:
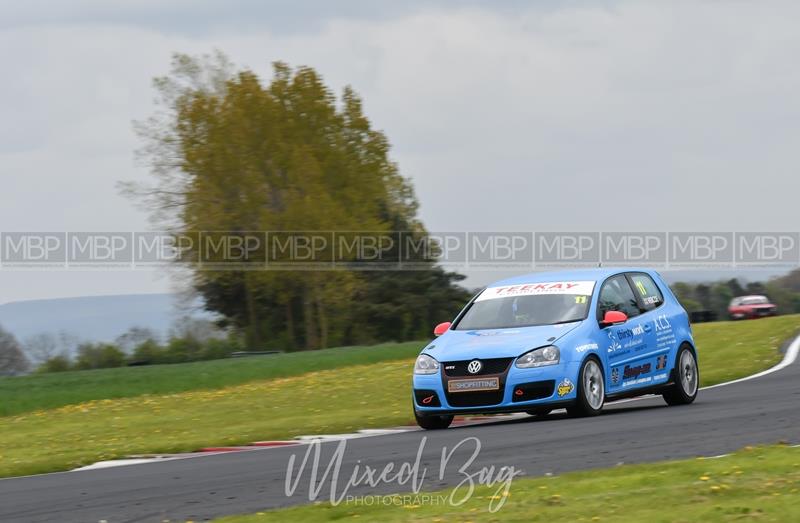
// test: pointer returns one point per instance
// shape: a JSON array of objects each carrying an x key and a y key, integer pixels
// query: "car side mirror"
[
  {"x": 613, "y": 318},
  {"x": 441, "y": 328}
]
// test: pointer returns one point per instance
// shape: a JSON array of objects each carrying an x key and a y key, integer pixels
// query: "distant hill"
[{"x": 93, "y": 318}]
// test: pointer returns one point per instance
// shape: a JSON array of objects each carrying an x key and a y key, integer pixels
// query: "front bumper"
[{"x": 521, "y": 390}]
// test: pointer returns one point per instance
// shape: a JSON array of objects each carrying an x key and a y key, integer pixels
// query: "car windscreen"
[
  {"x": 756, "y": 300},
  {"x": 527, "y": 306}
]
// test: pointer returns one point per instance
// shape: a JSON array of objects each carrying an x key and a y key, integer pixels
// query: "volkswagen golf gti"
[{"x": 573, "y": 340}]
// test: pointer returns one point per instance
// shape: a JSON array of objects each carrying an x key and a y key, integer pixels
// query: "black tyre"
[
  {"x": 591, "y": 390},
  {"x": 433, "y": 422},
  {"x": 685, "y": 379}
]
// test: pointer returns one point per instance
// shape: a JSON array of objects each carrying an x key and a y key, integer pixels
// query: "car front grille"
[
  {"x": 490, "y": 366},
  {"x": 476, "y": 399}
]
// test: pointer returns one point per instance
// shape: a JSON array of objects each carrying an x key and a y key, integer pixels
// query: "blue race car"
[{"x": 562, "y": 339}]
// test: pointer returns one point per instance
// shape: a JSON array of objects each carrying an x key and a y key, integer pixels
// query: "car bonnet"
[{"x": 456, "y": 345}]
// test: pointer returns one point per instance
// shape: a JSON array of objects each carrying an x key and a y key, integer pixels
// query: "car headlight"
[
  {"x": 549, "y": 355},
  {"x": 426, "y": 365}
]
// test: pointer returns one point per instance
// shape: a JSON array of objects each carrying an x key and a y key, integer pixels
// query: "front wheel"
[
  {"x": 685, "y": 378},
  {"x": 591, "y": 390},
  {"x": 433, "y": 422}
]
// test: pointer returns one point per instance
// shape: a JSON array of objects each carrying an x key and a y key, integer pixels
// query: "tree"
[
  {"x": 195, "y": 328},
  {"x": 684, "y": 292},
  {"x": 784, "y": 298},
  {"x": 702, "y": 293},
  {"x": 51, "y": 352},
  {"x": 134, "y": 337},
  {"x": 147, "y": 353},
  {"x": 721, "y": 296},
  {"x": 735, "y": 287},
  {"x": 41, "y": 347},
  {"x": 756, "y": 287},
  {"x": 12, "y": 359},
  {"x": 99, "y": 356},
  {"x": 58, "y": 363},
  {"x": 233, "y": 154},
  {"x": 789, "y": 281}
]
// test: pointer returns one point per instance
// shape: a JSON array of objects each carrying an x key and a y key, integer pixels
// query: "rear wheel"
[
  {"x": 591, "y": 390},
  {"x": 433, "y": 422},
  {"x": 685, "y": 379}
]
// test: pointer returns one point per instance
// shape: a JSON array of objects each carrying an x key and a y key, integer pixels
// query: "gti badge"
[{"x": 474, "y": 367}]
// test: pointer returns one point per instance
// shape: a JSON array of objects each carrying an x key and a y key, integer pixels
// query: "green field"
[
  {"x": 45, "y": 391},
  {"x": 343, "y": 398},
  {"x": 716, "y": 341},
  {"x": 761, "y": 484},
  {"x": 729, "y": 350}
]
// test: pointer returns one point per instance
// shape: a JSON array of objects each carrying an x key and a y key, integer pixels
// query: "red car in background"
[{"x": 749, "y": 307}]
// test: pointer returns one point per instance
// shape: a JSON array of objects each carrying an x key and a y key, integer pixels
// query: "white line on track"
[
  {"x": 123, "y": 462},
  {"x": 716, "y": 457}
]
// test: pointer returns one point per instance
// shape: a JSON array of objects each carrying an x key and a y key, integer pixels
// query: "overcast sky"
[{"x": 553, "y": 116}]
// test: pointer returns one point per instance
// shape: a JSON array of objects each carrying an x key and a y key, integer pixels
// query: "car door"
[
  {"x": 662, "y": 343},
  {"x": 642, "y": 358},
  {"x": 632, "y": 359},
  {"x": 621, "y": 342}
]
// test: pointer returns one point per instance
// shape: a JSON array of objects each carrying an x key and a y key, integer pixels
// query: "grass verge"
[
  {"x": 341, "y": 399},
  {"x": 45, "y": 391},
  {"x": 729, "y": 350},
  {"x": 761, "y": 484}
]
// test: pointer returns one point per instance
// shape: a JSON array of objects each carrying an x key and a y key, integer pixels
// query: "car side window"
[
  {"x": 649, "y": 293},
  {"x": 617, "y": 295}
]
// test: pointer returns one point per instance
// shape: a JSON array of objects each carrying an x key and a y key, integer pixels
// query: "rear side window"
[
  {"x": 617, "y": 295},
  {"x": 649, "y": 293}
]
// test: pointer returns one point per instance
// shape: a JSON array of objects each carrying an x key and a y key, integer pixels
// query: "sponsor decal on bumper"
[
  {"x": 472, "y": 385},
  {"x": 565, "y": 387}
]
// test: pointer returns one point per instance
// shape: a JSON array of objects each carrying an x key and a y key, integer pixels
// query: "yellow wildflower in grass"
[{"x": 270, "y": 409}]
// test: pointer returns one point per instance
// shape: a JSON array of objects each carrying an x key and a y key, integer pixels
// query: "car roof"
[{"x": 596, "y": 274}]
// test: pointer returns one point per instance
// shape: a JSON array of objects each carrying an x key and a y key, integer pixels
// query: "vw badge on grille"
[{"x": 474, "y": 367}]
